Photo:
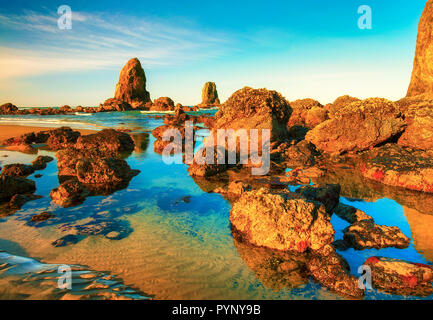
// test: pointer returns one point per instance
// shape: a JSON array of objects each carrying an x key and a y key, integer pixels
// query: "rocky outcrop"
[
  {"x": 162, "y": 104},
  {"x": 340, "y": 103},
  {"x": 421, "y": 82},
  {"x": 131, "y": 87},
  {"x": 366, "y": 234},
  {"x": 40, "y": 162},
  {"x": 328, "y": 268},
  {"x": 62, "y": 138},
  {"x": 400, "y": 277},
  {"x": 10, "y": 186},
  {"x": 8, "y": 108},
  {"x": 307, "y": 113},
  {"x": 419, "y": 132},
  {"x": 394, "y": 165},
  {"x": 358, "y": 126},
  {"x": 209, "y": 95},
  {"x": 17, "y": 170},
  {"x": 114, "y": 104},
  {"x": 282, "y": 221},
  {"x": 69, "y": 193},
  {"x": 107, "y": 140}
]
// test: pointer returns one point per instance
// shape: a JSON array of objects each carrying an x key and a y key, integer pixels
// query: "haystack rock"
[
  {"x": 209, "y": 95},
  {"x": 422, "y": 75},
  {"x": 131, "y": 87}
]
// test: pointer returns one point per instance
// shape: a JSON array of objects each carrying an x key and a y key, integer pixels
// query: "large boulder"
[
  {"x": 131, "y": 87},
  {"x": 340, "y": 103},
  {"x": 400, "y": 277},
  {"x": 358, "y": 126},
  {"x": 107, "y": 140},
  {"x": 62, "y": 138},
  {"x": 10, "y": 186},
  {"x": 162, "y": 104},
  {"x": 419, "y": 132},
  {"x": 8, "y": 108},
  {"x": 422, "y": 75},
  {"x": 250, "y": 108},
  {"x": 209, "y": 95},
  {"x": 307, "y": 113},
  {"x": 281, "y": 220}
]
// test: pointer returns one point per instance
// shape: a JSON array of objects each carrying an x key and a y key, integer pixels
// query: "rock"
[
  {"x": 234, "y": 189},
  {"x": 66, "y": 240},
  {"x": 178, "y": 119},
  {"x": 113, "y": 104},
  {"x": 400, "y": 277},
  {"x": 400, "y": 167},
  {"x": 209, "y": 169},
  {"x": 250, "y": 108},
  {"x": 327, "y": 194},
  {"x": 209, "y": 95},
  {"x": 131, "y": 87},
  {"x": 10, "y": 186},
  {"x": 69, "y": 193},
  {"x": 17, "y": 170},
  {"x": 340, "y": 103},
  {"x": 419, "y": 133},
  {"x": 307, "y": 113},
  {"x": 351, "y": 214},
  {"x": 41, "y": 217},
  {"x": 18, "y": 200},
  {"x": 331, "y": 270},
  {"x": 358, "y": 126},
  {"x": 365, "y": 234},
  {"x": 281, "y": 221},
  {"x": 8, "y": 108},
  {"x": 40, "y": 162},
  {"x": 302, "y": 154},
  {"x": 162, "y": 104},
  {"x": 67, "y": 159},
  {"x": 107, "y": 140},
  {"x": 421, "y": 82},
  {"x": 66, "y": 109},
  {"x": 109, "y": 171}
]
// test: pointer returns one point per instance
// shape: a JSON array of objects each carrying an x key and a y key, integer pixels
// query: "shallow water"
[{"x": 175, "y": 240}]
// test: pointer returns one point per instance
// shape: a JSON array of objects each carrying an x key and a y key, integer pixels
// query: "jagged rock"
[
  {"x": 67, "y": 159},
  {"x": 107, "y": 140},
  {"x": 131, "y": 87},
  {"x": 17, "y": 170},
  {"x": 397, "y": 166},
  {"x": 8, "y": 108},
  {"x": 62, "y": 138},
  {"x": 40, "y": 162},
  {"x": 250, "y": 108},
  {"x": 366, "y": 234},
  {"x": 351, "y": 214},
  {"x": 234, "y": 189},
  {"x": 162, "y": 104},
  {"x": 282, "y": 221},
  {"x": 209, "y": 95},
  {"x": 66, "y": 109},
  {"x": 400, "y": 277},
  {"x": 421, "y": 82},
  {"x": 301, "y": 154},
  {"x": 358, "y": 126},
  {"x": 105, "y": 171},
  {"x": 69, "y": 193},
  {"x": 331, "y": 270},
  {"x": 327, "y": 194},
  {"x": 307, "y": 113},
  {"x": 419, "y": 132},
  {"x": 113, "y": 104},
  {"x": 10, "y": 186}
]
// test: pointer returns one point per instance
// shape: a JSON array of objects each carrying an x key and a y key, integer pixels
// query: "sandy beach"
[{"x": 10, "y": 131}]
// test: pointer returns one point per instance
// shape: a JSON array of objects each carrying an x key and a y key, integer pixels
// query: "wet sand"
[{"x": 10, "y": 131}]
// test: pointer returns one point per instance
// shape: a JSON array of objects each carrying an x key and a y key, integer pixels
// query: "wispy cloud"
[{"x": 35, "y": 45}]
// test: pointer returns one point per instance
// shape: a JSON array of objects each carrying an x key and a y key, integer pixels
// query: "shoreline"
[{"x": 12, "y": 131}]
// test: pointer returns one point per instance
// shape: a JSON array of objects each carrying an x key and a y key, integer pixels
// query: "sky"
[{"x": 302, "y": 49}]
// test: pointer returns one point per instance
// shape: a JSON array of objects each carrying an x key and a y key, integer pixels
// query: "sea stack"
[
  {"x": 131, "y": 87},
  {"x": 422, "y": 75},
  {"x": 209, "y": 95}
]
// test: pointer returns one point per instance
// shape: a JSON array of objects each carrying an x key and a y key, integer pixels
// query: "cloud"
[{"x": 35, "y": 45}]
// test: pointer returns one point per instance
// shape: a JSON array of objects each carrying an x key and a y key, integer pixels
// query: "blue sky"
[{"x": 299, "y": 48}]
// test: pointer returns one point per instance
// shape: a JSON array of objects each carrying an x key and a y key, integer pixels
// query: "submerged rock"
[
  {"x": 282, "y": 221},
  {"x": 328, "y": 268},
  {"x": 69, "y": 193},
  {"x": 131, "y": 87},
  {"x": 41, "y": 217},
  {"x": 366, "y": 234},
  {"x": 358, "y": 126},
  {"x": 400, "y": 277}
]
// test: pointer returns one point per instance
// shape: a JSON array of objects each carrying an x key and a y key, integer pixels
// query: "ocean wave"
[{"x": 53, "y": 122}]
